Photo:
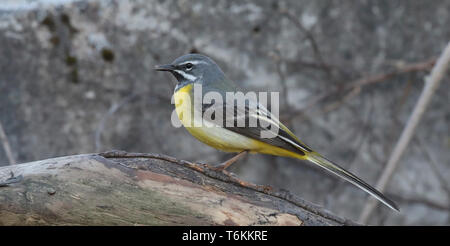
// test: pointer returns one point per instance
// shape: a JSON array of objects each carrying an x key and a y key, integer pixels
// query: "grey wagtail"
[{"x": 198, "y": 70}]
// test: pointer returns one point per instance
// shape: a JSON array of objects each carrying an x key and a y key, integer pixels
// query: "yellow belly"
[{"x": 218, "y": 137}]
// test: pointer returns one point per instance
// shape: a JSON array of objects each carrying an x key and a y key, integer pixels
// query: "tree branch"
[{"x": 119, "y": 188}]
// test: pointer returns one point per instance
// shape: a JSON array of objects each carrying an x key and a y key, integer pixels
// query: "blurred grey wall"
[{"x": 76, "y": 77}]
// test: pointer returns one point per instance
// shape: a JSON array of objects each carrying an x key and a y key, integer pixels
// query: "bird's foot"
[
  {"x": 232, "y": 177},
  {"x": 221, "y": 169}
]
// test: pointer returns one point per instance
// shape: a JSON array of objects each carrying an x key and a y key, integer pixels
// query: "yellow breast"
[
  {"x": 216, "y": 136},
  {"x": 184, "y": 105}
]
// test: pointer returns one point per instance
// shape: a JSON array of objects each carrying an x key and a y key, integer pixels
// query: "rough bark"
[{"x": 119, "y": 188}]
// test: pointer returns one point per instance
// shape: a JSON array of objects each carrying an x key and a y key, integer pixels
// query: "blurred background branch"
[
  {"x": 431, "y": 85},
  {"x": 6, "y": 145}
]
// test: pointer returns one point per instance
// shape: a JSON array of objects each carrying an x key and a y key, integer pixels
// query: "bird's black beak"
[{"x": 168, "y": 67}]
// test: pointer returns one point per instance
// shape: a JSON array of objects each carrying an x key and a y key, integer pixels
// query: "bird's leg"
[{"x": 228, "y": 163}]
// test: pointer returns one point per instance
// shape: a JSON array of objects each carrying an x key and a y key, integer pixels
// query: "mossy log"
[{"x": 119, "y": 188}]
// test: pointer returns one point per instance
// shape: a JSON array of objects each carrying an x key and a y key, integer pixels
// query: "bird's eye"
[{"x": 189, "y": 66}]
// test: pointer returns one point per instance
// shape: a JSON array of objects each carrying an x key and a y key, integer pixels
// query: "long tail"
[{"x": 339, "y": 171}]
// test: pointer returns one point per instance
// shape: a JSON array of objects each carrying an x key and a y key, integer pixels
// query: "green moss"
[
  {"x": 107, "y": 55},
  {"x": 49, "y": 23},
  {"x": 71, "y": 60},
  {"x": 73, "y": 76},
  {"x": 55, "y": 40},
  {"x": 65, "y": 19}
]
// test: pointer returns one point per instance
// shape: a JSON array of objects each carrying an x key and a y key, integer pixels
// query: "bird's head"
[{"x": 193, "y": 68}]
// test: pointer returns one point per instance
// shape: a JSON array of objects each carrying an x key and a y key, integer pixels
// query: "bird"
[{"x": 199, "y": 71}]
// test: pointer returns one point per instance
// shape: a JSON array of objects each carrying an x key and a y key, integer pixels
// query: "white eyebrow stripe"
[
  {"x": 187, "y": 76},
  {"x": 194, "y": 62}
]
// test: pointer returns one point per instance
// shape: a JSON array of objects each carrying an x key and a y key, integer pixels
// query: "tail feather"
[{"x": 339, "y": 171}]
